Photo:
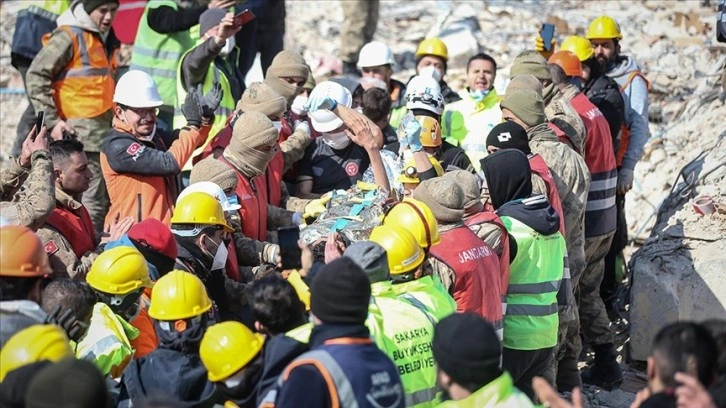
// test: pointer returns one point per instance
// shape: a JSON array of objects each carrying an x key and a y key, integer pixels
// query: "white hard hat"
[
  {"x": 324, "y": 120},
  {"x": 375, "y": 54},
  {"x": 136, "y": 89},
  {"x": 424, "y": 92},
  {"x": 213, "y": 190}
]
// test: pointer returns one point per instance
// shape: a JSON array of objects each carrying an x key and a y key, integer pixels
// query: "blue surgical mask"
[
  {"x": 232, "y": 199},
  {"x": 479, "y": 95}
]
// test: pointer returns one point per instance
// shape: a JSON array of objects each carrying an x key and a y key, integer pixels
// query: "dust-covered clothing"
[
  {"x": 33, "y": 206},
  {"x": 562, "y": 114}
]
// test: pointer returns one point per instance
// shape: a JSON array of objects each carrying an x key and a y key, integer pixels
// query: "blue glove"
[
  {"x": 413, "y": 135},
  {"x": 318, "y": 103}
]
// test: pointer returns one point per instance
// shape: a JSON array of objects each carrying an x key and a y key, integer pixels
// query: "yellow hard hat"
[
  {"x": 227, "y": 347},
  {"x": 417, "y": 218},
  {"x": 21, "y": 253},
  {"x": 119, "y": 271},
  {"x": 410, "y": 174},
  {"x": 430, "y": 131},
  {"x": 200, "y": 208},
  {"x": 580, "y": 46},
  {"x": 33, "y": 344},
  {"x": 603, "y": 27},
  {"x": 178, "y": 295},
  {"x": 432, "y": 46},
  {"x": 404, "y": 253}
]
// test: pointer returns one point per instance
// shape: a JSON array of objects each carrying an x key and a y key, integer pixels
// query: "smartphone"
[
  {"x": 39, "y": 122},
  {"x": 290, "y": 253},
  {"x": 547, "y": 33},
  {"x": 243, "y": 18}
]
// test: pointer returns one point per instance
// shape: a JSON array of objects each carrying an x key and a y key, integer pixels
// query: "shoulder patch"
[
  {"x": 133, "y": 148},
  {"x": 50, "y": 247},
  {"x": 351, "y": 169}
]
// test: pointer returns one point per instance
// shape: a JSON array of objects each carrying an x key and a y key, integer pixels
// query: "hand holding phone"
[
  {"x": 547, "y": 33},
  {"x": 39, "y": 123},
  {"x": 290, "y": 252},
  {"x": 243, "y": 18}
]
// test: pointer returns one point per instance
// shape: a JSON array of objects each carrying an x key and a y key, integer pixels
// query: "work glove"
[
  {"x": 409, "y": 133},
  {"x": 314, "y": 208},
  {"x": 540, "y": 47},
  {"x": 69, "y": 322},
  {"x": 192, "y": 108},
  {"x": 320, "y": 102},
  {"x": 297, "y": 219},
  {"x": 625, "y": 180},
  {"x": 210, "y": 102}
]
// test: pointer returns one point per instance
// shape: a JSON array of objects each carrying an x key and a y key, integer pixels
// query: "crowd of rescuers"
[{"x": 141, "y": 250}]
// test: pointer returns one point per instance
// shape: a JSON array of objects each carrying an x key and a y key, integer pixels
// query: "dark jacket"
[
  {"x": 196, "y": 64},
  {"x": 604, "y": 93},
  {"x": 279, "y": 351},
  {"x": 451, "y": 155},
  {"x": 449, "y": 95}
]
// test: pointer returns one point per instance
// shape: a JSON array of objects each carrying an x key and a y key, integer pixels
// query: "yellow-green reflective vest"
[
  {"x": 478, "y": 120},
  {"x": 301, "y": 333},
  {"x": 107, "y": 343},
  {"x": 226, "y": 107},
  {"x": 50, "y": 9},
  {"x": 531, "y": 321},
  {"x": 430, "y": 292},
  {"x": 500, "y": 393},
  {"x": 404, "y": 333},
  {"x": 158, "y": 54}
]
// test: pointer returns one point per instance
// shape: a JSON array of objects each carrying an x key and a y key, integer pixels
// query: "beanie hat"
[
  {"x": 209, "y": 19},
  {"x": 211, "y": 169},
  {"x": 82, "y": 384},
  {"x": 466, "y": 347},
  {"x": 508, "y": 176},
  {"x": 524, "y": 81},
  {"x": 471, "y": 187},
  {"x": 260, "y": 97},
  {"x": 154, "y": 234},
  {"x": 288, "y": 64},
  {"x": 530, "y": 62},
  {"x": 16, "y": 383},
  {"x": 252, "y": 129},
  {"x": 509, "y": 135},
  {"x": 371, "y": 257},
  {"x": 310, "y": 83},
  {"x": 90, "y": 5},
  {"x": 340, "y": 293},
  {"x": 444, "y": 197},
  {"x": 526, "y": 105}
]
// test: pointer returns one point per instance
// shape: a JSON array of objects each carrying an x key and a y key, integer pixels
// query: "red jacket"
[
  {"x": 540, "y": 168},
  {"x": 273, "y": 179},
  {"x": 253, "y": 199},
  {"x": 488, "y": 217},
  {"x": 76, "y": 227},
  {"x": 478, "y": 286}
]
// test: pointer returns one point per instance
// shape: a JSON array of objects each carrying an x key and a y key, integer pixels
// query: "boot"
[
  {"x": 351, "y": 69},
  {"x": 568, "y": 376},
  {"x": 605, "y": 371}
]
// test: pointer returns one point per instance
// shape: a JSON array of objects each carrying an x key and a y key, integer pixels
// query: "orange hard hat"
[
  {"x": 21, "y": 253},
  {"x": 568, "y": 61}
]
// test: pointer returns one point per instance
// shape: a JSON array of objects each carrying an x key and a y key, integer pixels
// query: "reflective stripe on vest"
[
  {"x": 537, "y": 269},
  {"x": 430, "y": 292},
  {"x": 107, "y": 342},
  {"x": 85, "y": 87}
]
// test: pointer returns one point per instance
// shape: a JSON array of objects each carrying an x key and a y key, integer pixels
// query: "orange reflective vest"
[{"x": 84, "y": 88}]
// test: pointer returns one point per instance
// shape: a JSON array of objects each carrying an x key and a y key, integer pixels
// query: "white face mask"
[
  {"x": 234, "y": 380},
  {"x": 278, "y": 125},
  {"x": 220, "y": 257},
  {"x": 298, "y": 104},
  {"x": 431, "y": 71},
  {"x": 337, "y": 140},
  {"x": 228, "y": 47}
]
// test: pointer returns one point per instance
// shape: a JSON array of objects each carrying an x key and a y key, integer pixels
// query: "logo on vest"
[
  {"x": 351, "y": 169},
  {"x": 50, "y": 247},
  {"x": 474, "y": 253},
  {"x": 135, "y": 149},
  {"x": 384, "y": 391}
]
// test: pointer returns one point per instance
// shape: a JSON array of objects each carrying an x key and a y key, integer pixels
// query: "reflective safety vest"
[
  {"x": 429, "y": 292},
  {"x": 301, "y": 333},
  {"x": 398, "y": 105},
  {"x": 477, "y": 286},
  {"x": 252, "y": 196},
  {"x": 35, "y": 18},
  {"x": 76, "y": 227},
  {"x": 489, "y": 217},
  {"x": 225, "y": 109},
  {"x": 84, "y": 88},
  {"x": 500, "y": 393},
  {"x": 159, "y": 54},
  {"x": 479, "y": 118},
  {"x": 536, "y": 273},
  {"x": 404, "y": 332},
  {"x": 107, "y": 343},
  {"x": 539, "y": 167}
]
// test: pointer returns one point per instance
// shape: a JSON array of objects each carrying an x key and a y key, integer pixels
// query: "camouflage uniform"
[
  {"x": 293, "y": 149},
  {"x": 560, "y": 112},
  {"x": 361, "y": 19},
  {"x": 251, "y": 252},
  {"x": 489, "y": 233},
  {"x": 32, "y": 207},
  {"x": 64, "y": 261}
]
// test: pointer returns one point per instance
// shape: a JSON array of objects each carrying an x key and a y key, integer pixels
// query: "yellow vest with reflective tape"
[{"x": 107, "y": 342}]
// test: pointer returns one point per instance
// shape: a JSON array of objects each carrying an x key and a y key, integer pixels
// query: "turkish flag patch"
[
  {"x": 50, "y": 247},
  {"x": 351, "y": 169},
  {"x": 133, "y": 148}
]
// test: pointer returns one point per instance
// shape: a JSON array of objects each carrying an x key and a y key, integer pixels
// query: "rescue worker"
[
  {"x": 118, "y": 276},
  {"x": 376, "y": 61},
  {"x": 68, "y": 236},
  {"x": 600, "y": 212},
  {"x": 478, "y": 110},
  {"x": 162, "y": 38},
  {"x": 409, "y": 178},
  {"x": 213, "y": 60},
  {"x": 81, "y": 383},
  {"x": 417, "y": 218},
  {"x": 537, "y": 267},
  {"x": 559, "y": 112},
  {"x": 23, "y": 267},
  {"x": 33, "y": 344},
  {"x": 467, "y": 353},
  {"x": 180, "y": 309},
  {"x": 201, "y": 233},
  {"x": 466, "y": 265},
  {"x": 34, "y": 20},
  {"x": 33, "y": 166},
  {"x": 140, "y": 163},
  {"x": 72, "y": 81},
  {"x": 376, "y": 105},
  {"x": 263, "y": 35},
  {"x": 232, "y": 355},
  {"x": 396, "y": 325},
  {"x": 69, "y": 304},
  {"x": 342, "y": 351},
  {"x": 361, "y": 18},
  {"x": 432, "y": 57},
  {"x": 287, "y": 75},
  {"x": 405, "y": 261}
]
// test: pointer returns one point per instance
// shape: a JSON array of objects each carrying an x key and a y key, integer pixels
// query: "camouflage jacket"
[
  {"x": 251, "y": 252},
  {"x": 33, "y": 206},
  {"x": 293, "y": 149},
  {"x": 560, "y": 112}
]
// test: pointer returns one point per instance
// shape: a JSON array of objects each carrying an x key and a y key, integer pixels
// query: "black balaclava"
[{"x": 508, "y": 176}]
